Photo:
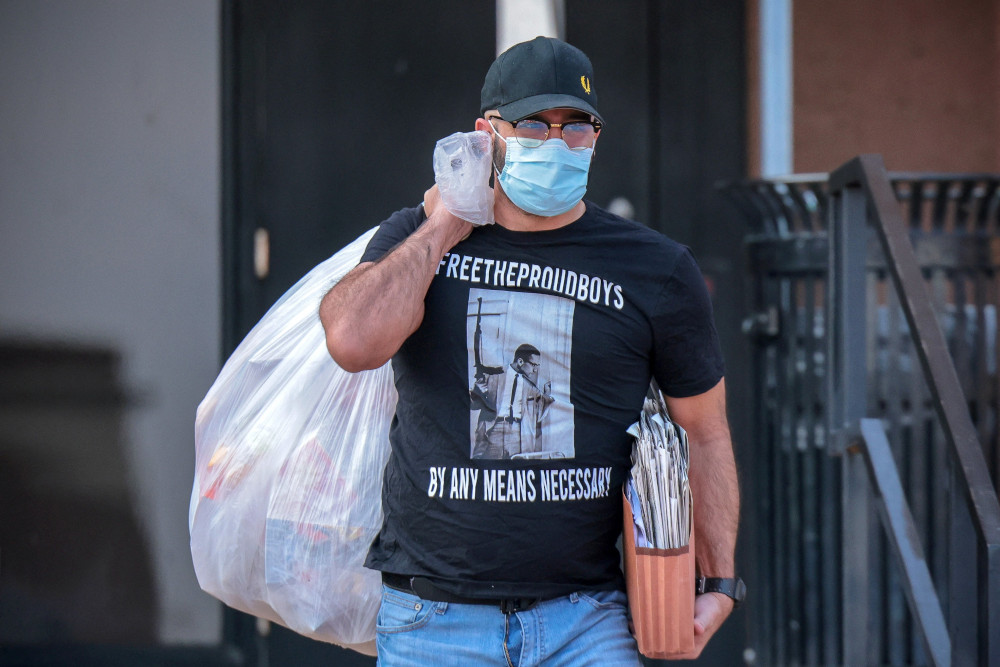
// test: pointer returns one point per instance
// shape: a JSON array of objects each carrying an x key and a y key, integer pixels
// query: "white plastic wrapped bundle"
[
  {"x": 658, "y": 485},
  {"x": 463, "y": 162},
  {"x": 290, "y": 450}
]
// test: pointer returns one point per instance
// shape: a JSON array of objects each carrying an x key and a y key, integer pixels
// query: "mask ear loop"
[{"x": 495, "y": 173}]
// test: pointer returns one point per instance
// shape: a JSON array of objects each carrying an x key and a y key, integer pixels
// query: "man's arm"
[
  {"x": 716, "y": 499},
  {"x": 370, "y": 313}
]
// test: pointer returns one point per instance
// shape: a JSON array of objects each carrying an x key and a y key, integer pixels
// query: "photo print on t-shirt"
[{"x": 520, "y": 348}]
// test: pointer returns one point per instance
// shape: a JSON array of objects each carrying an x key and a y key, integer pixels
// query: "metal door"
[{"x": 331, "y": 114}]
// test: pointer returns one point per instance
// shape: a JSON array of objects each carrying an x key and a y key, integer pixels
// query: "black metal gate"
[{"x": 955, "y": 228}]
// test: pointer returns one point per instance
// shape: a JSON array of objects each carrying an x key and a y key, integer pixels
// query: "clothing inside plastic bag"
[{"x": 290, "y": 450}]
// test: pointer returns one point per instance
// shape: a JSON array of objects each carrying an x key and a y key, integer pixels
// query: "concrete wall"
[{"x": 109, "y": 231}]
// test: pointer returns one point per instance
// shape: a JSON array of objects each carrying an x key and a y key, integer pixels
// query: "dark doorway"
[
  {"x": 331, "y": 112},
  {"x": 671, "y": 80}
]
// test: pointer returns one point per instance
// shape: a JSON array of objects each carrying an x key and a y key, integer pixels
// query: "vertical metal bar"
[
  {"x": 988, "y": 570},
  {"x": 963, "y": 219},
  {"x": 941, "y": 202},
  {"x": 821, "y": 194},
  {"x": 783, "y": 218},
  {"x": 989, "y": 202},
  {"x": 810, "y": 453},
  {"x": 916, "y": 204},
  {"x": 846, "y": 393},
  {"x": 767, "y": 542},
  {"x": 980, "y": 370},
  {"x": 995, "y": 384},
  {"x": 910, "y": 451},
  {"x": 875, "y": 353},
  {"x": 793, "y": 488},
  {"x": 918, "y": 484},
  {"x": 803, "y": 212},
  {"x": 991, "y": 207},
  {"x": 846, "y": 376},
  {"x": 961, "y": 582},
  {"x": 764, "y": 635},
  {"x": 781, "y": 457},
  {"x": 833, "y": 601},
  {"x": 878, "y": 604},
  {"x": 829, "y": 490},
  {"x": 779, "y": 538},
  {"x": 894, "y": 606},
  {"x": 939, "y": 452},
  {"x": 776, "y": 591},
  {"x": 988, "y": 563},
  {"x": 856, "y": 562}
]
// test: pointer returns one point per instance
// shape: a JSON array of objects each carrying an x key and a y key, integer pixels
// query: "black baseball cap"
[{"x": 545, "y": 73}]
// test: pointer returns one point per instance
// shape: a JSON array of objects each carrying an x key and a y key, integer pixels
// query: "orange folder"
[{"x": 660, "y": 585}]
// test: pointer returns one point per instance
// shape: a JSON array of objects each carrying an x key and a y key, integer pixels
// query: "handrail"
[
  {"x": 901, "y": 531},
  {"x": 861, "y": 192}
]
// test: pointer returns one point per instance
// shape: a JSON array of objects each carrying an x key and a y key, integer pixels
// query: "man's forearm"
[
  {"x": 716, "y": 495},
  {"x": 370, "y": 313},
  {"x": 713, "y": 479}
]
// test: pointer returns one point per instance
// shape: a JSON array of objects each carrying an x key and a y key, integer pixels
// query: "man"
[
  {"x": 515, "y": 562},
  {"x": 513, "y": 425}
]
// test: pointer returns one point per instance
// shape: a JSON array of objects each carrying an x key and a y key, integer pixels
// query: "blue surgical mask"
[{"x": 546, "y": 180}]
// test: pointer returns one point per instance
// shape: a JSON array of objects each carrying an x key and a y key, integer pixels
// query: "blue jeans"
[{"x": 586, "y": 628}]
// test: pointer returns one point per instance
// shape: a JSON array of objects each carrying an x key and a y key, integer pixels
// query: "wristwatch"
[{"x": 734, "y": 588}]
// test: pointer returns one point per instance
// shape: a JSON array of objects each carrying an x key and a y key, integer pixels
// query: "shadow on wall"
[{"x": 74, "y": 565}]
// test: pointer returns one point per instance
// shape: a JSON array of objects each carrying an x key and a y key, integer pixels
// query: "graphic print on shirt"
[{"x": 520, "y": 348}]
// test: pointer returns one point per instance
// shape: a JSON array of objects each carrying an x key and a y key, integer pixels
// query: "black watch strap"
[{"x": 734, "y": 588}]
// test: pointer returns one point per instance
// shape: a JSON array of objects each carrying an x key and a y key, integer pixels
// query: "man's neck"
[{"x": 511, "y": 217}]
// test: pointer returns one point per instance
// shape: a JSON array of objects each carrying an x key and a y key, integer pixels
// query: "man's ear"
[{"x": 484, "y": 125}]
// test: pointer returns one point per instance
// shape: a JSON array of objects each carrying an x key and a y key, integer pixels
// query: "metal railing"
[{"x": 963, "y": 629}]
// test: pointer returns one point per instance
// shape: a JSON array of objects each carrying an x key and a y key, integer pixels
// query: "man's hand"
[
  {"x": 432, "y": 199},
  {"x": 710, "y": 610}
]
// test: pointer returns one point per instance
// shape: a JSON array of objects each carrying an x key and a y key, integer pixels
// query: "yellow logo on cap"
[{"x": 585, "y": 82}]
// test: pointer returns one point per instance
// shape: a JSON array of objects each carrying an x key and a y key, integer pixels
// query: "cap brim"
[{"x": 537, "y": 103}]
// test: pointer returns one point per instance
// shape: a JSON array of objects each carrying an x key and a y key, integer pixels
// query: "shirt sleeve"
[
  {"x": 392, "y": 232},
  {"x": 687, "y": 358}
]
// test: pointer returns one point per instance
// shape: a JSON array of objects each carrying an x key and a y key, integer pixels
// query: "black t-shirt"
[{"x": 534, "y": 355}]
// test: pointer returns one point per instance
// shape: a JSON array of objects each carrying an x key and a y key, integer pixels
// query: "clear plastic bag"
[
  {"x": 462, "y": 165},
  {"x": 290, "y": 450}
]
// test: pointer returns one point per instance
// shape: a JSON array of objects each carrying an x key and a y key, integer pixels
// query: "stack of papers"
[{"x": 658, "y": 485}]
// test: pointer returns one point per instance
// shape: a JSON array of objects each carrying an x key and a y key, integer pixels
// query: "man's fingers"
[
  {"x": 431, "y": 200},
  {"x": 710, "y": 610}
]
